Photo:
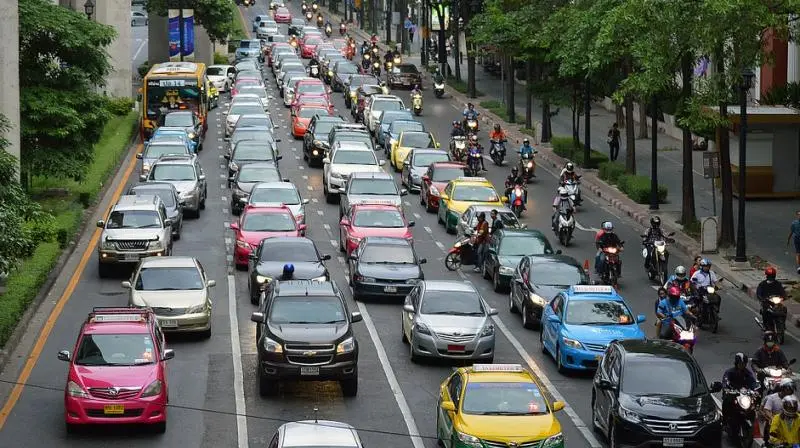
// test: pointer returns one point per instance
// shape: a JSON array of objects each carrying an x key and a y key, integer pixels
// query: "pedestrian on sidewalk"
[
  {"x": 794, "y": 236},
  {"x": 613, "y": 142},
  {"x": 411, "y": 32}
]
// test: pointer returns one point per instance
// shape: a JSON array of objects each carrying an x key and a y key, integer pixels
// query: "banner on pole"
[
  {"x": 174, "y": 34},
  {"x": 188, "y": 34}
]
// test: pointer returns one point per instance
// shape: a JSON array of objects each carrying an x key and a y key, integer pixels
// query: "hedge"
[
  {"x": 221, "y": 59},
  {"x": 611, "y": 171},
  {"x": 566, "y": 147},
  {"x": 638, "y": 188}
]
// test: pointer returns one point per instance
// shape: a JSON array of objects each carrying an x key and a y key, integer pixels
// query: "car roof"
[
  {"x": 653, "y": 348},
  {"x": 375, "y": 175},
  {"x": 401, "y": 121},
  {"x": 427, "y": 151},
  {"x": 153, "y": 186},
  {"x": 259, "y": 165},
  {"x": 553, "y": 259},
  {"x": 314, "y": 433},
  {"x": 519, "y": 376},
  {"x": 304, "y": 288},
  {"x": 225, "y": 66},
  {"x": 381, "y": 97},
  {"x": 448, "y": 164},
  {"x": 275, "y": 186},
  {"x": 592, "y": 292},
  {"x": 387, "y": 240},
  {"x": 521, "y": 232},
  {"x": 464, "y": 180},
  {"x": 449, "y": 285},
  {"x": 375, "y": 206},
  {"x": 404, "y": 133},
  {"x": 353, "y": 146},
  {"x": 137, "y": 202},
  {"x": 176, "y": 159},
  {"x": 267, "y": 209},
  {"x": 169, "y": 262},
  {"x": 288, "y": 239},
  {"x": 488, "y": 208}
]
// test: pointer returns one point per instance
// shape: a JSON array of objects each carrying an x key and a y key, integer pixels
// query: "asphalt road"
[
  {"x": 138, "y": 46},
  {"x": 396, "y": 397}
]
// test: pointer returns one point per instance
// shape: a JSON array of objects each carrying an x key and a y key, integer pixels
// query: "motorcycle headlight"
[
  {"x": 661, "y": 249},
  {"x": 628, "y": 415},
  {"x": 330, "y": 72},
  {"x": 574, "y": 343},
  {"x": 315, "y": 152},
  {"x": 744, "y": 401},
  {"x": 262, "y": 279},
  {"x": 711, "y": 290},
  {"x": 686, "y": 335},
  {"x": 537, "y": 299},
  {"x": 530, "y": 165},
  {"x": 555, "y": 441},
  {"x": 346, "y": 346},
  {"x": 272, "y": 346},
  {"x": 152, "y": 389},
  {"x": 469, "y": 440},
  {"x": 505, "y": 270},
  {"x": 75, "y": 390},
  {"x": 376, "y": 65},
  {"x": 777, "y": 300},
  {"x": 488, "y": 330},
  {"x": 773, "y": 372}
]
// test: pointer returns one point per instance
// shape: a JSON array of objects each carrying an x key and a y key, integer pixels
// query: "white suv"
[
  {"x": 377, "y": 104},
  {"x": 346, "y": 158}
]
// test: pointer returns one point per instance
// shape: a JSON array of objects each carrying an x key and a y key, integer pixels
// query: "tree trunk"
[
  {"x": 472, "y": 91},
  {"x": 575, "y": 116},
  {"x": 620, "y": 115},
  {"x": 630, "y": 137},
  {"x": 727, "y": 235},
  {"x": 687, "y": 205},
  {"x": 547, "y": 131},
  {"x": 511, "y": 109},
  {"x": 528, "y": 94},
  {"x": 642, "y": 120},
  {"x": 456, "y": 50}
]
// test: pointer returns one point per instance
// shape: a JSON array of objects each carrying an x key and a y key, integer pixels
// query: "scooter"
[
  {"x": 515, "y": 199},
  {"x": 471, "y": 125},
  {"x": 460, "y": 254},
  {"x": 304, "y": 8},
  {"x": 497, "y": 151},
  {"x": 397, "y": 59},
  {"x": 416, "y": 104},
  {"x": 328, "y": 31},
  {"x": 388, "y": 66},
  {"x": 376, "y": 68},
  {"x": 309, "y": 16},
  {"x": 342, "y": 29},
  {"x": 740, "y": 423},
  {"x": 612, "y": 267},
  {"x": 573, "y": 190},
  {"x": 565, "y": 225},
  {"x": 657, "y": 266},
  {"x": 683, "y": 333},
  {"x": 709, "y": 303},
  {"x": 771, "y": 376},
  {"x": 527, "y": 166},
  {"x": 473, "y": 164},
  {"x": 438, "y": 89},
  {"x": 314, "y": 7},
  {"x": 458, "y": 148},
  {"x": 773, "y": 313},
  {"x": 320, "y": 20}
]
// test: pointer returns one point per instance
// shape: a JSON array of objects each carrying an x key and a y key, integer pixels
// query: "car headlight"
[
  {"x": 152, "y": 389},
  {"x": 744, "y": 402},
  {"x": 555, "y": 441},
  {"x": 367, "y": 279},
  {"x": 196, "y": 309},
  {"x": 488, "y": 330},
  {"x": 272, "y": 346},
  {"x": 421, "y": 328},
  {"x": 154, "y": 245},
  {"x": 75, "y": 390},
  {"x": 192, "y": 135},
  {"x": 337, "y": 176},
  {"x": 321, "y": 278},
  {"x": 434, "y": 191},
  {"x": 537, "y": 299},
  {"x": 188, "y": 194},
  {"x": 505, "y": 270},
  {"x": 711, "y": 417},
  {"x": 412, "y": 281},
  {"x": 630, "y": 416},
  {"x": 572, "y": 343},
  {"x": 262, "y": 279},
  {"x": 469, "y": 440},
  {"x": 346, "y": 346},
  {"x": 108, "y": 245}
]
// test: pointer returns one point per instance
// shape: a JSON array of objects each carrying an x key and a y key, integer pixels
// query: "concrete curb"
[{"x": 55, "y": 273}]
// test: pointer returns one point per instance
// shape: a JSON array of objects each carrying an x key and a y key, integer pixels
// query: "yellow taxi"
[
  {"x": 496, "y": 405},
  {"x": 462, "y": 192},
  {"x": 407, "y": 141}
]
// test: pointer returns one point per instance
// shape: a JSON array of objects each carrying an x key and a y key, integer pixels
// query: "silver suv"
[
  {"x": 188, "y": 177},
  {"x": 137, "y": 227}
]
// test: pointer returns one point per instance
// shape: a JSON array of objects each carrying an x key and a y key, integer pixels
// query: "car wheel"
[
  {"x": 206, "y": 334},
  {"x": 349, "y": 387},
  {"x": 595, "y": 425},
  {"x": 414, "y": 357},
  {"x": 439, "y": 216},
  {"x": 526, "y": 320},
  {"x": 559, "y": 361},
  {"x": 160, "y": 427},
  {"x": 254, "y": 296},
  {"x": 330, "y": 198},
  {"x": 498, "y": 287},
  {"x": 403, "y": 333},
  {"x": 341, "y": 243},
  {"x": 541, "y": 342},
  {"x": 484, "y": 272},
  {"x": 70, "y": 428},
  {"x": 266, "y": 387},
  {"x": 421, "y": 197},
  {"x": 612, "y": 435},
  {"x": 104, "y": 270},
  {"x": 511, "y": 307},
  {"x": 450, "y": 230}
]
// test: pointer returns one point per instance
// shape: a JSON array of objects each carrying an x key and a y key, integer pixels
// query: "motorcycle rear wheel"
[{"x": 453, "y": 261}]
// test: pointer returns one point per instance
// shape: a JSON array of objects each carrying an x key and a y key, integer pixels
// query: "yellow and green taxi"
[
  {"x": 462, "y": 192},
  {"x": 407, "y": 141},
  {"x": 491, "y": 405}
]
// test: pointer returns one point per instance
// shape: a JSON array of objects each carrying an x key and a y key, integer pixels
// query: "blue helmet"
[{"x": 288, "y": 269}]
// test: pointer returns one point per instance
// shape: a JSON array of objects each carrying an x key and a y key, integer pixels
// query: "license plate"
[
  {"x": 309, "y": 371},
  {"x": 113, "y": 409},
  {"x": 390, "y": 289},
  {"x": 672, "y": 441},
  {"x": 169, "y": 323},
  {"x": 455, "y": 348},
  {"x": 131, "y": 257}
]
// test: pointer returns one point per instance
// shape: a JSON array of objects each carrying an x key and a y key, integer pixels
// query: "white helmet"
[{"x": 562, "y": 191}]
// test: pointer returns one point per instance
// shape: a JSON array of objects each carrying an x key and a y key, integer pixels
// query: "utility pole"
[
  {"x": 455, "y": 17},
  {"x": 389, "y": 7},
  {"x": 423, "y": 56},
  {"x": 181, "y": 27},
  {"x": 587, "y": 145}
]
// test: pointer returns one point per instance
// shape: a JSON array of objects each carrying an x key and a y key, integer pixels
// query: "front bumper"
[
  {"x": 90, "y": 411},
  {"x": 191, "y": 202},
  {"x": 579, "y": 359},
  {"x": 186, "y": 323},
  {"x": 241, "y": 255},
  {"x": 127, "y": 257},
  {"x": 639, "y": 436},
  {"x": 415, "y": 184},
  {"x": 382, "y": 288},
  {"x": 433, "y": 201},
  {"x": 434, "y": 347},
  {"x": 335, "y": 183},
  {"x": 335, "y": 371}
]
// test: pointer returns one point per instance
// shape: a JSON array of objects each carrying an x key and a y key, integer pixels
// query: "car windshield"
[
  {"x": 652, "y": 376},
  {"x": 387, "y": 105},
  {"x": 249, "y": 44},
  {"x": 313, "y": 101},
  {"x": 324, "y": 127},
  {"x": 507, "y": 218},
  {"x": 134, "y": 219},
  {"x": 262, "y": 121},
  {"x": 398, "y": 127},
  {"x": 558, "y": 275},
  {"x": 215, "y": 71},
  {"x": 167, "y": 138},
  {"x": 503, "y": 399},
  {"x": 372, "y": 90},
  {"x": 354, "y": 158},
  {"x": 306, "y": 310},
  {"x": 292, "y": 67},
  {"x": 475, "y": 193},
  {"x": 356, "y": 81},
  {"x": 393, "y": 115},
  {"x": 254, "y": 90},
  {"x": 386, "y": 219},
  {"x": 355, "y": 137},
  {"x": 314, "y": 88},
  {"x": 459, "y": 303},
  {"x": 524, "y": 245},
  {"x": 417, "y": 140},
  {"x": 181, "y": 119},
  {"x": 250, "y": 134},
  {"x": 169, "y": 172},
  {"x": 169, "y": 279},
  {"x": 251, "y": 151},
  {"x": 406, "y": 69},
  {"x": 241, "y": 83},
  {"x": 447, "y": 174},
  {"x": 384, "y": 254},
  {"x": 425, "y": 159},
  {"x": 313, "y": 41},
  {"x": 268, "y": 222},
  {"x": 288, "y": 196},
  {"x": 242, "y": 109},
  {"x": 166, "y": 195},
  {"x": 258, "y": 174},
  {"x": 154, "y": 150},
  {"x": 115, "y": 350},
  {"x": 374, "y": 186},
  {"x": 598, "y": 312},
  {"x": 346, "y": 69},
  {"x": 309, "y": 112},
  {"x": 288, "y": 251}
]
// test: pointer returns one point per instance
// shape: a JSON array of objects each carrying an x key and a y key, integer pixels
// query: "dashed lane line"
[{"x": 238, "y": 377}]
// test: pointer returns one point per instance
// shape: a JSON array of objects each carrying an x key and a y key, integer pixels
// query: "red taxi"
[
  {"x": 434, "y": 181},
  {"x": 308, "y": 46},
  {"x": 302, "y": 118},
  {"x": 282, "y": 15},
  {"x": 117, "y": 373},
  {"x": 372, "y": 219},
  {"x": 345, "y": 48},
  {"x": 312, "y": 100},
  {"x": 258, "y": 223}
]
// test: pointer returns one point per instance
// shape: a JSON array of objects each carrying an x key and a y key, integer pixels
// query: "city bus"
[{"x": 173, "y": 86}]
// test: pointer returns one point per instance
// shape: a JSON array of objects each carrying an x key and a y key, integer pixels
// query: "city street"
[{"x": 396, "y": 397}]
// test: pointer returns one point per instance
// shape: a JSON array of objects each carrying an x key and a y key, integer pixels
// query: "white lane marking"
[
  {"x": 296, "y": 157},
  {"x": 222, "y": 166},
  {"x": 440, "y": 245},
  {"x": 310, "y": 188},
  {"x": 334, "y": 243},
  {"x": 305, "y": 177},
  {"x": 294, "y": 149},
  {"x": 228, "y": 241},
  {"x": 340, "y": 259},
  {"x": 224, "y": 199},
  {"x": 225, "y": 210},
  {"x": 301, "y": 167},
  {"x": 413, "y": 432},
  {"x": 407, "y": 203},
  {"x": 315, "y": 200},
  {"x": 139, "y": 50},
  {"x": 326, "y": 226},
  {"x": 576, "y": 420},
  {"x": 227, "y": 225},
  {"x": 416, "y": 215},
  {"x": 238, "y": 379},
  {"x": 221, "y": 157},
  {"x": 223, "y": 176},
  {"x": 222, "y": 186},
  {"x": 585, "y": 229},
  {"x": 428, "y": 229},
  {"x": 320, "y": 212}
]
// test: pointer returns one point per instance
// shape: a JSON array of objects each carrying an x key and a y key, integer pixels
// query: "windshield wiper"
[
  {"x": 466, "y": 313},
  {"x": 601, "y": 323},
  {"x": 506, "y": 413}
]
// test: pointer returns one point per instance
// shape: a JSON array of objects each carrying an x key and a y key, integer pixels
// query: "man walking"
[
  {"x": 613, "y": 142},
  {"x": 794, "y": 237},
  {"x": 481, "y": 241}
]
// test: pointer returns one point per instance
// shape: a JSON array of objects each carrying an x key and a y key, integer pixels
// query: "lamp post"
[
  {"x": 747, "y": 83},
  {"x": 88, "y": 8}
]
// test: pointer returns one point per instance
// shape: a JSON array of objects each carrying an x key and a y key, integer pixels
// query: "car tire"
[
  {"x": 498, "y": 287},
  {"x": 412, "y": 355},
  {"x": 241, "y": 267},
  {"x": 612, "y": 435},
  {"x": 71, "y": 428},
  {"x": 403, "y": 333},
  {"x": 526, "y": 322},
  {"x": 439, "y": 216},
  {"x": 484, "y": 272},
  {"x": 206, "y": 334},
  {"x": 266, "y": 388},
  {"x": 253, "y": 297},
  {"x": 103, "y": 270},
  {"x": 160, "y": 427},
  {"x": 349, "y": 387},
  {"x": 595, "y": 426},
  {"x": 511, "y": 307},
  {"x": 559, "y": 363},
  {"x": 541, "y": 342}
]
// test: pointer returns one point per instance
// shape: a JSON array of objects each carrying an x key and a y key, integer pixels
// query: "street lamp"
[
  {"x": 747, "y": 83},
  {"x": 88, "y": 8}
]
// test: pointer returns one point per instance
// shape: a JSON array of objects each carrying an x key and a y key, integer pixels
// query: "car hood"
[
  {"x": 667, "y": 407},
  {"x": 547, "y": 292},
  {"x": 170, "y": 299},
  {"x": 296, "y": 209},
  {"x": 133, "y": 234},
  {"x": 603, "y": 334},
  {"x": 362, "y": 232},
  {"x": 418, "y": 170},
  {"x": 115, "y": 376},
  {"x": 254, "y": 238},
  {"x": 532, "y": 426},
  {"x": 309, "y": 333},
  {"x": 344, "y": 77},
  {"x": 302, "y": 270},
  {"x": 347, "y": 170},
  {"x": 390, "y": 271},
  {"x": 449, "y": 324},
  {"x": 183, "y": 185},
  {"x": 354, "y": 199},
  {"x": 247, "y": 187},
  {"x": 509, "y": 261}
]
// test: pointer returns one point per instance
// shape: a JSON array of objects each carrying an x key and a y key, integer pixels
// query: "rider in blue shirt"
[
  {"x": 470, "y": 113},
  {"x": 526, "y": 150},
  {"x": 669, "y": 307}
]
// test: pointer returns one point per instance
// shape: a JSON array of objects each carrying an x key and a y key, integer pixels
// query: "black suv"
[
  {"x": 304, "y": 333},
  {"x": 315, "y": 140},
  {"x": 654, "y": 392}
]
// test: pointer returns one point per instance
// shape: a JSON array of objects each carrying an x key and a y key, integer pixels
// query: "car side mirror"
[
  {"x": 278, "y": 157},
  {"x": 243, "y": 200},
  {"x": 716, "y": 386},
  {"x": 226, "y": 139},
  {"x": 353, "y": 257},
  {"x": 227, "y": 156},
  {"x": 258, "y": 318},
  {"x": 225, "y": 112},
  {"x": 168, "y": 354},
  {"x": 344, "y": 222},
  {"x": 493, "y": 311},
  {"x": 792, "y": 361},
  {"x": 306, "y": 201},
  {"x": 553, "y": 319},
  {"x": 302, "y": 227},
  {"x": 444, "y": 197},
  {"x": 411, "y": 223},
  {"x": 606, "y": 385},
  {"x": 326, "y": 160},
  {"x": 140, "y": 155},
  {"x": 64, "y": 355},
  {"x": 126, "y": 284},
  {"x": 423, "y": 260},
  {"x": 167, "y": 222},
  {"x": 286, "y": 179},
  {"x": 202, "y": 177},
  {"x": 504, "y": 199},
  {"x": 403, "y": 192},
  {"x": 101, "y": 223},
  {"x": 211, "y": 283},
  {"x": 381, "y": 162},
  {"x": 142, "y": 178},
  {"x": 356, "y": 316},
  {"x": 448, "y": 406},
  {"x": 406, "y": 162},
  {"x": 325, "y": 257},
  {"x": 641, "y": 318},
  {"x": 234, "y": 226},
  {"x": 558, "y": 405},
  {"x": 426, "y": 178},
  {"x": 409, "y": 308}
]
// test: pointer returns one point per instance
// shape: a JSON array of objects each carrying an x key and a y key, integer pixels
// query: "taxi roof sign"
[
  {"x": 118, "y": 314},
  {"x": 471, "y": 179},
  {"x": 593, "y": 289},
  {"x": 497, "y": 368}
]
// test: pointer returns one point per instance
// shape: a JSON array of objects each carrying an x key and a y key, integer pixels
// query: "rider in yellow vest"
[{"x": 785, "y": 427}]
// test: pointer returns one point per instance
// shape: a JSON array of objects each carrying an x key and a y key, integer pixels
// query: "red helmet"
[
  {"x": 673, "y": 291},
  {"x": 770, "y": 272}
]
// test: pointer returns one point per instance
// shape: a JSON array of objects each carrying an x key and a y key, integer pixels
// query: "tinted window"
[
  {"x": 324, "y": 127},
  {"x": 287, "y": 196},
  {"x": 426, "y": 159},
  {"x": 262, "y": 121},
  {"x": 417, "y": 140},
  {"x": 387, "y": 254},
  {"x": 524, "y": 245},
  {"x": 288, "y": 251},
  {"x": 311, "y": 88},
  {"x": 179, "y": 120},
  {"x": 252, "y": 151},
  {"x": 268, "y": 222},
  {"x": 242, "y": 109},
  {"x": 115, "y": 350},
  {"x": 133, "y": 219},
  {"x": 258, "y": 174},
  {"x": 558, "y": 274},
  {"x": 354, "y": 157},
  {"x": 598, "y": 312},
  {"x": 648, "y": 375},
  {"x": 452, "y": 302},
  {"x": 172, "y": 172},
  {"x": 169, "y": 279},
  {"x": 475, "y": 193},
  {"x": 373, "y": 186},
  {"x": 250, "y": 134},
  {"x": 309, "y": 112},
  {"x": 387, "y": 105},
  {"x": 503, "y": 399},
  {"x": 306, "y": 310},
  {"x": 447, "y": 174},
  {"x": 165, "y": 194},
  {"x": 406, "y": 69},
  {"x": 249, "y": 44},
  {"x": 378, "y": 218}
]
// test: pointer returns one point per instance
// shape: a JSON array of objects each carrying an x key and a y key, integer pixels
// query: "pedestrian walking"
[
  {"x": 794, "y": 237},
  {"x": 411, "y": 32},
  {"x": 613, "y": 142}
]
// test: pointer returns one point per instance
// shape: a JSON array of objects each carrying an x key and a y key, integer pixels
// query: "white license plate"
[
  {"x": 672, "y": 441},
  {"x": 172, "y": 323},
  {"x": 390, "y": 289},
  {"x": 131, "y": 257},
  {"x": 309, "y": 371}
]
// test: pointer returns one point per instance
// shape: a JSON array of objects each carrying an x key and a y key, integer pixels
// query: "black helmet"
[
  {"x": 740, "y": 358},
  {"x": 789, "y": 406},
  {"x": 497, "y": 126},
  {"x": 514, "y": 170},
  {"x": 655, "y": 221},
  {"x": 456, "y": 123}
]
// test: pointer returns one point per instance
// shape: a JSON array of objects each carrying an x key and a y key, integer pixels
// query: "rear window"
[
  {"x": 406, "y": 69},
  {"x": 215, "y": 71}
]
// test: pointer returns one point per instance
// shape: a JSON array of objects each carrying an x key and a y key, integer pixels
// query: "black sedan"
[
  {"x": 539, "y": 278},
  {"x": 249, "y": 175},
  {"x": 342, "y": 71},
  {"x": 384, "y": 266},
  {"x": 506, "y": 250},
  {"x": 269, "y": 258},
  {"x": 316, "y": 137},
  {"x": 352, "y": 85},
  {"x": 406, "y": 75}
]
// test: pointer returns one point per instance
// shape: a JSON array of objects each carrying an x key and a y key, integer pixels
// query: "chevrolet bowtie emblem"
[{"x": 309, "y": 353}]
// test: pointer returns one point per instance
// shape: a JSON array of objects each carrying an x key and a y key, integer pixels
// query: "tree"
[
  {"x": 62, "y": 61},
  {"x": 216, "y": 16}
]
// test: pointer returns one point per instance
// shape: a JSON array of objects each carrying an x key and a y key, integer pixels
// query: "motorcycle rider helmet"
[
  {"x": 771, "y": 273},
  {"x": 514, "y": 171},
  {"x": 787, "y": 385},
  {"x": 655, "y": 222},
  {"x": 497, "y": 127},
  {"x": 673, "y": 292},
  {"x": 562, "y": 192},
  {"x": 740, "y": 360},
  {"x": 770, "y": 339},
  {"x": 680, "y": 272},
  {"x": 470, "y": 106},
  {"x": 789, "y": 406},
  {"x": 526, "y": 141},
  {"x": 473, "y": 138},
  {"x": 705, "y": 262},
  {"x": 456, "y": 124},
  {"x": 570, "y": 167},
  {"x": 608, "y": 226}
]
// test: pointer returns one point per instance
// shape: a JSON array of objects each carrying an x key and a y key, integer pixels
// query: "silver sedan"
[{"x": 448, "y": 319}]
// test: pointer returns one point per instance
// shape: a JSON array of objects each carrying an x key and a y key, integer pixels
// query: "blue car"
[
  {"x": 172, "y": 133},
  {"x": 392, "y": 133},
  {"x": 386, "y": 119},
  {"x": 580, "y": 322}
]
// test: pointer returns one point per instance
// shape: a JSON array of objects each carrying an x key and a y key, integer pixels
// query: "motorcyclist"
[
  {"x": 568, "y": 173},
  {"x": 607, "y": 238},
  {"x": 313, "y": 61},
  {"x": 457, "y": 130},
  {"x": 364, "y": 48},
  {"x": 474, "y": 146},
  {"x": 387, "y": 58},
  {"x": 772, "y": 404},
  {"x": 561, "y": 199},
  {"x": 288, "y": 272},
  {"x": 661, "y": 295},
  {"x": 526, "y": 151},
  {"x": 668, "y": 308},
  {"x": 470, "y": 113},
  {"x": 417, "y": 90},
  {"x": 328, "y": 26},
  {"x": 705, "y": 277},
  {"x": 770, "y": 286},
  {"x": 769, "y": 354},
  {"x": 653, "y": 234},
  {"x": 736, "y": 378},
  {"x": 304, "y": 6},
  {"x": 438, "y": 78},
  {"x": 785, "y": 427},
  {"x": 679, "y": 279},
  {"x": 498, "y": 135}
]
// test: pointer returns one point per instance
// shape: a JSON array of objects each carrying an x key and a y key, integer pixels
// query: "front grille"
[
  {"x": 314, "y": 360},
  {"x": 127, "y": 413},
  {"x": 163, "y": 311},
  {"x": 393, "y": 282},
  {"x": 132, "y": 244},
  {"x": 595, "y": 347},
  {"x": 672, "y": 427},
  {"x": 306, "y": 347},
  {"x": 458, "y": 339},
  {"x": 110, "y": 393},
  {"x": 492, "y": 444}
]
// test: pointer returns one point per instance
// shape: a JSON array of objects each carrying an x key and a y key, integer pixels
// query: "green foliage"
[
  {"x": 461, "y": 86},
  {"x": 120, "y": 106},
  {"x": 610, "y": 171},
  {"x": 143, "y": 68},
  {"x": 638, "y": 188},
  {"x": 784, "y": 95},
  {"x": 499, "y": 109},
  {"x": 220, "y": 59},
  {"x": 566, "y": 148},
  {"x": 216, "y": 16}
]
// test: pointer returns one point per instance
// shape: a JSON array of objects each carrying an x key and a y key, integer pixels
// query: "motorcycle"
[
  {"x": 397, "y": 59},
  {"x": 376, "y": 68},
  {"x": 612, "y": 267},
  {"x": 320, "y": 21},
  {"x": 438, "y": 89},
  {"x": 740, "y": 424},
  {"x": 342, "y": 29},
  {"x": 683, "y": 332},
  {"x": 309, "y": 16},
  {"x": 773, "y": 313},
  {"x": 657, "y": 266},
  {"x": 473, "y": 164},
  {"x": 708, "y": 307},
  {"x": 314, "y": 7},
  {"x": 565, "y": 225},
  {"x": 527, "y": 166},
  {"x": 458, "y": 147},
  {"x": 328, "y": 31},
  {"x": 573, "y": 190},
  {"x": 313, "y": 70},
  {"x": 516, "y": 199},
  {"x": 471, "y": 125},
  {"x": 388, "y": 66},
  {"x": 497, "y": 151},
  {"x": 304, "y": 7},
  {"x": 460, "y": 254},
  {"x": 771, "y": 376},
  {"x": 416, "y": 104}
]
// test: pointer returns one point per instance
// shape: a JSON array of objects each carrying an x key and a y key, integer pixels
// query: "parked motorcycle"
[
  {"x": 773, "y": 315},
  {"x": 515, "y": 199},
  {"x": 708, "y": 307},
  {"x": 527, "y": 166},
  {"x": 565, "y": 225},
  {"x": 458, "y": 148},
  {"x": 460, "y": 254},
  {"x": 659, "y": 261},
  {"x": 497, "y": 151},
  {"x": 573, "y": 190},
  {"x": 473, "y": 164},
  {"x": 416, "y": 104},
  {"x": 612, "y": 268},
  {"x": 740, "y": 423},
  {"x": 438, "y": 89}
]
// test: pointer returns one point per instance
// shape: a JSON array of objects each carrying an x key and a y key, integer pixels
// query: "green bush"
[
  {"x": 23, "y": 286},
  {"x": 565, "y": 147},
  {"x": 108, "y": 152},
  {"x": 638, "y": 188},
  {"x": 611, "y": 171},
  {"x": 120, "y": 106},
  {"x": 220, "y": 59},
  {"x": 143, "y": 69}
]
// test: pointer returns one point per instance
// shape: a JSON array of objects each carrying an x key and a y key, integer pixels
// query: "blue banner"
[
  {"x": 188, "y": 35},
  {"x": 174, "y": 34}
]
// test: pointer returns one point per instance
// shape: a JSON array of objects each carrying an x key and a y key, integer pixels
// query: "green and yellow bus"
[{"x": 173, "y": 86}]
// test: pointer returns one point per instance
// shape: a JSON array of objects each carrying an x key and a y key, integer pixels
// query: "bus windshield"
[{"x": 161, "y": 97}]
